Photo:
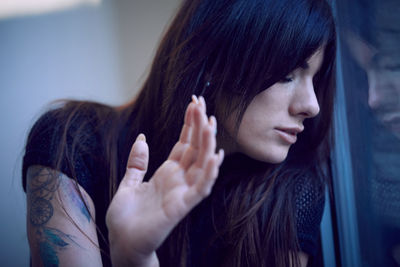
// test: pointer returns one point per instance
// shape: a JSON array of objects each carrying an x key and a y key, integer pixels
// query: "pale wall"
[{"x": 86, "y": 53}]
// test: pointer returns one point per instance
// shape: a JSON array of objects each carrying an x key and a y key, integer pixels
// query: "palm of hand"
[{"x": 141, "y": 215}]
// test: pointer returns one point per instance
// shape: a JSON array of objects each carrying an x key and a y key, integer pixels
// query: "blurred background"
[
  {"x": 97, "y": 50},
  {"x": 101, "y": 49}
]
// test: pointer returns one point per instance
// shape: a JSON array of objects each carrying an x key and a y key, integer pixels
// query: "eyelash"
[
  {"x": 392, "y": 67},
  {"x": 287, "y": 79}
]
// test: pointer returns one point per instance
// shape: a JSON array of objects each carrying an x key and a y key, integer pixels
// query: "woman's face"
[
  {"x": 275, "y": 116},
  {"x": 383, "y": 72}
]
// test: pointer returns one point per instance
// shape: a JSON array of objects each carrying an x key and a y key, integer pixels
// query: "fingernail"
[
  {"x": 141, "y": 137},
  {"x": 213, "y": 123},
  {"x": 221, "y": 154},
  {"x": 194, "y": 99}
]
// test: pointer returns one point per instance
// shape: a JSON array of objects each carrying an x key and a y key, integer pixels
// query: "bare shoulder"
[{"x": 60, "y": 220}]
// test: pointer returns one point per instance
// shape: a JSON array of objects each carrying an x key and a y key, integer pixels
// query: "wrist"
[
  {"x": 124, "y": 255},
  {"x": 119, "y": 260}
]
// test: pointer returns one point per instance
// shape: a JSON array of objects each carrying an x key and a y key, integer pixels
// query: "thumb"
[{"x": 138, "y": 160}]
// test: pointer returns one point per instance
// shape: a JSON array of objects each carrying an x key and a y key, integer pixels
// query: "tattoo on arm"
[
  {"x": 43, "y": 184},
  {"x": 70, "y": 192}
]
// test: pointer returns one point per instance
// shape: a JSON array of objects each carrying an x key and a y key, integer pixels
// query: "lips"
[
  {"x": 289, "y": 134},
  {"x": 393, "y": 125},
  {"x": 391, "y": 118},
  {"x": 392, "y": 122}
]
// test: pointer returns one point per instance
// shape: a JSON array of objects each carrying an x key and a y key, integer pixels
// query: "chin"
[{"x": 272, "y": 156}]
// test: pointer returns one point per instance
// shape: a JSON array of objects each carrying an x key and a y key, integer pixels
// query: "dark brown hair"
[{"x": 229, "y": 51}]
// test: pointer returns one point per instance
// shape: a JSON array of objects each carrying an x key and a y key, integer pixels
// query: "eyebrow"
[{"x": 378, "y": 61}]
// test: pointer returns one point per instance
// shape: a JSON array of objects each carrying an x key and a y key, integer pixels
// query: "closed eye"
[
  {"x": 392, "y": 67},
  {"x": 287, "y": 79}
]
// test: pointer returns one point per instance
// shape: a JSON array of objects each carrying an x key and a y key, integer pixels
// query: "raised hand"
[{"x": 142, "y": 214}]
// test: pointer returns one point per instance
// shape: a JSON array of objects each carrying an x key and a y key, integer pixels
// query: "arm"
[{"x": 61, "y": 231}]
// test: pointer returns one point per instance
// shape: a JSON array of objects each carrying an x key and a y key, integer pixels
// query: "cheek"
[
  {"x": 258, "y": 120},
  {"x": 249, "y": 126}
]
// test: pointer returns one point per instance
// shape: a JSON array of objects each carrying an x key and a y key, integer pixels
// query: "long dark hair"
[{"x": 229, "y": 51}]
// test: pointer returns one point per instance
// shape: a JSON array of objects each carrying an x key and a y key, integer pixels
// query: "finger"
[
  {"x": 185, "y": 136},
  {"x": 208, "y": 144},
  {"x": 190, "y": 152},
  {"x": 202, "y": 103},
  {"x": 221, "y": 155},
  {"x": 138, "y": 160},
  {"x": 189, "y": 155},
  {"x": 202, "y": 188},
  {"x": 204, "y": 185},
  {"x": 177, "y": 151},
  {"x": 195, "y": 99},
  {"x": 187, "y": 125},
  {"x": 199, "y": 121}
]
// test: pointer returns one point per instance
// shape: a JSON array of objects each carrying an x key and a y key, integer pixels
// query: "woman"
[{"x": 265, "y": 69}]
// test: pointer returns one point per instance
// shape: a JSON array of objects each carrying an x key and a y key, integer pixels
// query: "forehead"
[
  {"x": 368, "y": 56},
  {"x": 361, "y": 50},
  {"x": 317, "y": 57},
  {"x": 313, "y": 63}
]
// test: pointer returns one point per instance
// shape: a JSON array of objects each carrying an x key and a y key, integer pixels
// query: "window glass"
[{"x": 369, "y": 53}]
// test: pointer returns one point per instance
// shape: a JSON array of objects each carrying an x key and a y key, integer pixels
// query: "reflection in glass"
[{"x": 370, "y": 42}]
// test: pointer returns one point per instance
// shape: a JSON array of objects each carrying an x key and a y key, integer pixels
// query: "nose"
[
  {"x": 374, "y": 98},
  {"x": 304, "y": 102},
  {"x": 380, "y": 92}
]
